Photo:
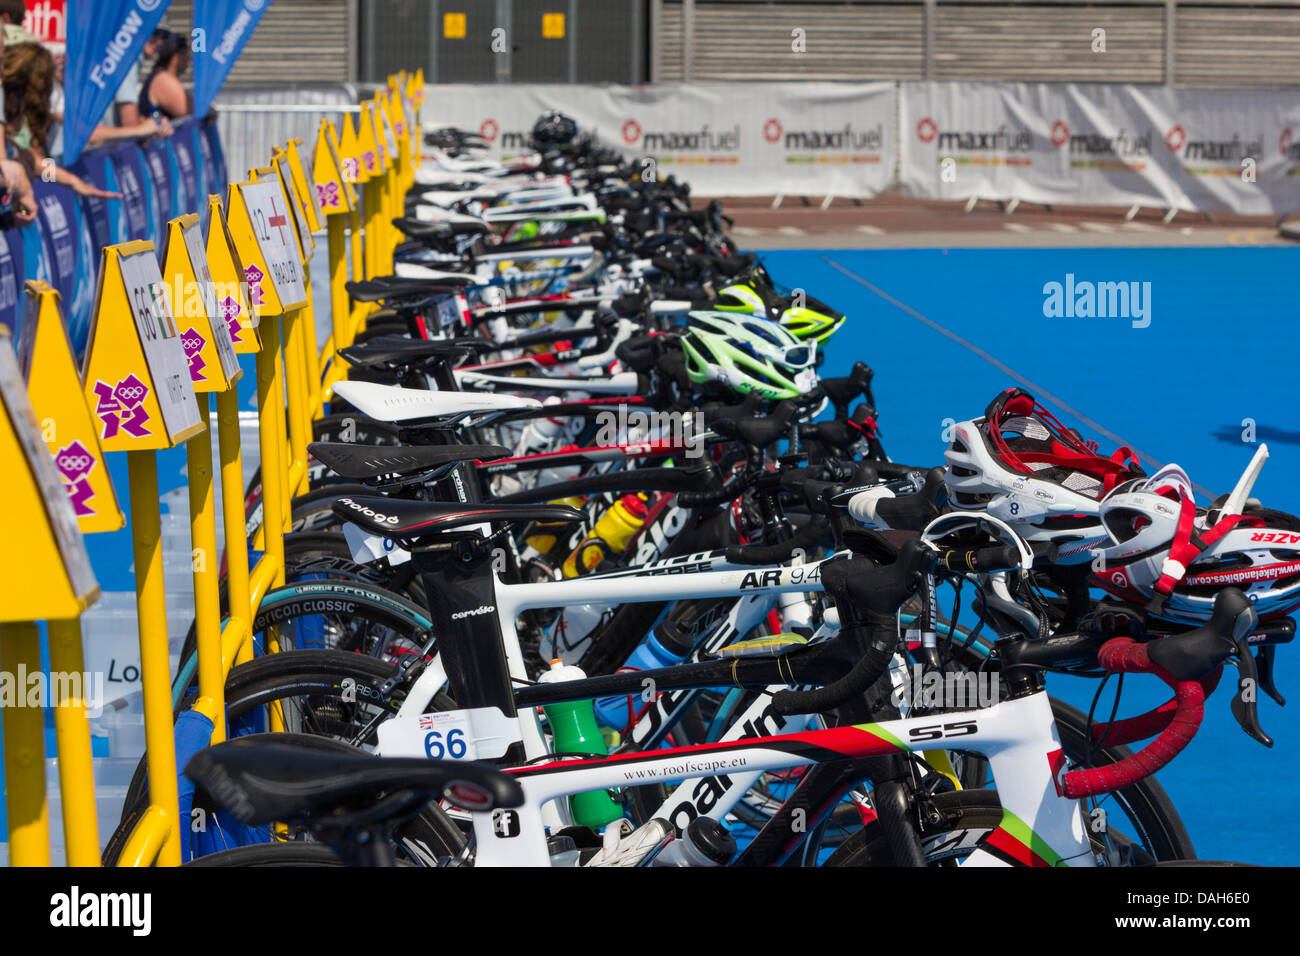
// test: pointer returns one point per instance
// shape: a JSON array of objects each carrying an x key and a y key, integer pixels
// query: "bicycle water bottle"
[
  {"x": 574, "y": 731},
  {"x": 610, "y": 535},
  {"x": 570, "y": 635},
  {"x": 541, "y": 537},
  {"x": 617, "y": 712},
  {"x": 706, "y": 842}
]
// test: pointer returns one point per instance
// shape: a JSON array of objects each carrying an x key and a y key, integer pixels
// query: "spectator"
[
  {"x": 100, "y": 134},
  {"x": 127, "y": 99},
  {"x": 162, "y": 92},
  {"x": 28, "y": 74},
  {"x": 12, "y": 13}
]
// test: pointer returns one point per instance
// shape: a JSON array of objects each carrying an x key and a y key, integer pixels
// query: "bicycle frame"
[
  {"x": 692, "y": 577},
  {"x": 1039, "y": 827}
]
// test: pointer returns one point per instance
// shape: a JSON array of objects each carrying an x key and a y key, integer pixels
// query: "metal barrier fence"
[{"x": 252, "y": 121}]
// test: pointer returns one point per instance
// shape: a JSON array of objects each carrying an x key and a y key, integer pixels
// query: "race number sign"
[
  {"x": 46, "y": 571},
  {"x": 205, "y": 335},
  {"x": 137, "y": 379},
  {"x": 305, "y": 242},
  {"x": 308, "y": 196},
  {"x": 233, "y": 307},
  {"x": 267, "y": 246},
  {"x": 68, "y": 428},
  {"x": 333, "y": 188}
]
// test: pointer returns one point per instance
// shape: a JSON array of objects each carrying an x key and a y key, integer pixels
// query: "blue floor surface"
[{"x": 947, "y": 329}]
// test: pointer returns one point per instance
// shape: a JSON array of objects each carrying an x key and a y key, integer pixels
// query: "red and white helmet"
[
  {"x": 1020, "y": 464},
  {"x": 1166, "y": 553}
]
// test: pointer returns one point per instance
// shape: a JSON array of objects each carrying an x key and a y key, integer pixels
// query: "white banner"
[
  {"x": 751, "y": 139},
  {"x": 1102, "y": 144},
  {"x": 1090, "y": 144}
]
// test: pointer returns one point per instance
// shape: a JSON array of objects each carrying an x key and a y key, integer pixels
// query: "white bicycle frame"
[
  {"x": 641, "y": 585},
  {"x": 1039, "y": 826}
]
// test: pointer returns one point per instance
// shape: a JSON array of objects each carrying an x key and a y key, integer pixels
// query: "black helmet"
[{"x": 554, "y": 129}]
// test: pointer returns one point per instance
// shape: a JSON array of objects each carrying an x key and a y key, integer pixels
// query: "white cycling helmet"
[
  {"x": 1166, "y": 553},
  {"x": 1019, "y": 464}
]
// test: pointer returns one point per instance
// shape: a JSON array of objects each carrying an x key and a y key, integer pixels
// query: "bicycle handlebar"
[
  {"x": 756, "y": 554},
  {"x": 1196, "y": 659},
  {"x": 1122, "y": 655}
]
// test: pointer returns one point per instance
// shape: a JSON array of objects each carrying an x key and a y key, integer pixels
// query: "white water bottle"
[
  {"x": 570, "y": 635},
  {"x": 706, "y": 842}
]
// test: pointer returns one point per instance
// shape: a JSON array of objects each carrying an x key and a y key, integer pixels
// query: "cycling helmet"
[
  {"x": 554, "y": 129},
  {"x": 817, "y": 324},
  {"x": 748, "y": 355},
  {"x": 759, "y": 337},
  {"x": 811, "y": 319},
  {"x": 1019, "y": 464},
  {"x": 1166, "y": 553}
]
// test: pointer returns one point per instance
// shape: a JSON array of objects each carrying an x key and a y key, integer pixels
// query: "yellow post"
[
  {"x": 339, "y": 305},
  {"x": 155, "y": 669},
  {"x": 270, "y": 404},
  {"x": 203, "y": 559},
  {"x": 373, "y": 191},
  {"x": 72, "y": 732},
  {"x": 311, "y": 346},
  {"x": 295, "y": 362},
  {"x": 24, "y": 742},
  {"x": 232, "y": 504}
]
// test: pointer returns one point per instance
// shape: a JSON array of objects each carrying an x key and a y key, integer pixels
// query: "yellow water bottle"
[
  {"x": 610, "y": 536},
  {"x": 542, "y": 536}
]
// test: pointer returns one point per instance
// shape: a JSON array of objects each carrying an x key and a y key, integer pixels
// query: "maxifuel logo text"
[
  {"x": 706, "y": 144},
  {"x": 845, "y": 144},
  {"x": 953, "y": 143}
]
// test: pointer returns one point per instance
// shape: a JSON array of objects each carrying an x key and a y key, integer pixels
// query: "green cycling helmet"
[
  {"x": 804, "y": 316},
  {"x": 748, "y": 355}
]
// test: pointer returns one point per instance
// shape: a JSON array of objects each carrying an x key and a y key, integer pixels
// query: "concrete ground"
[{"x": 893, "y": 222}]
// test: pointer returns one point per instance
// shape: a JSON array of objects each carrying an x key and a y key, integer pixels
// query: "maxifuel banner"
[
  {"x": 1092, "y": 144},
  {"x": 750, "y": 139},
  {"x": 1102, "y": 144}
]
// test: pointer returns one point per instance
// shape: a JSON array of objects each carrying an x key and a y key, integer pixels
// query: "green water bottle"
[{"x": 575, "y": 731}]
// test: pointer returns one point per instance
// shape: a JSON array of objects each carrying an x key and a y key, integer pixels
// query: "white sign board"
[
  {"x": 155, "y": 322},
  {"x": 269, "y": 213},
  {"x": 208, "y": 293},
  {"x": 305, "y": 242}
]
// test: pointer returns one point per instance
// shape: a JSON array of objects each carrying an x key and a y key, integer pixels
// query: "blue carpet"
[{"x": 1220, "y": 349}]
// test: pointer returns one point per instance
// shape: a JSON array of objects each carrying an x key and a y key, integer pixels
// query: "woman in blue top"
[{"x": 162, "y": 93}]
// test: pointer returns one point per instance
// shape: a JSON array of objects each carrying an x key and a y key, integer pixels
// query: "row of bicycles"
[{"x": 597, "y": 568}]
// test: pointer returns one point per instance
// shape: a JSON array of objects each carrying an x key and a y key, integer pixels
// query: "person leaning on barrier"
[
  {"x": 102, "y": 133},
  {"x": 29, "y": 76},
  {"x": 162, "y": 95},
  {"x": 127, "y": 99}
]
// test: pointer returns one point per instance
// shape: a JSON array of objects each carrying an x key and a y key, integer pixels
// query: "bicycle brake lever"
[
  {"x": 1264, "y": 665},
  {"x": 1243, "y": 701}
]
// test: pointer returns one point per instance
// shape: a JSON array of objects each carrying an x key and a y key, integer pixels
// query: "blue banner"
[
  {"x": 104, "y": 38},
  {"x": 226, "y": 26},
  {"x": 11, "y": 281}
]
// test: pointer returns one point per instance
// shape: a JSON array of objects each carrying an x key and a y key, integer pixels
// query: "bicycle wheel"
[
  {"x": 326, "y": 694},
  {"x": 327, "y": 614},
  {"x": 271, "y": 854}
]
